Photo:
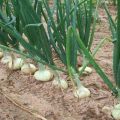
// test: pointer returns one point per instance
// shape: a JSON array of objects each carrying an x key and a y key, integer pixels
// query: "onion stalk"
[{"x": 80, "y": 91}]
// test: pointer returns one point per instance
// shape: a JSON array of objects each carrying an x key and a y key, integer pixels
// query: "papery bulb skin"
[
  {"x": 28, "y": 68},
  {"x": 87, "y": 70},
  {"x": 43, "y": 75},
  {"x": 60, "y": 83},
  {"x": 16, "y": 64},
  {"x": 81, "y": 92}
]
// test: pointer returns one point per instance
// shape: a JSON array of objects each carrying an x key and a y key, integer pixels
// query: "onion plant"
[
  {"x": 65, "y": 28},
  {"x": 115, "y": 30}
]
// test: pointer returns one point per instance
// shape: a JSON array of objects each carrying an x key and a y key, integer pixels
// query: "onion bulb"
[
  {"x": 43, "y": 75},
  {"x": 21, "y": 48},
  {"x": 107, "y": 110},
  {"x": 87, "y": 70},
  {"x": 28, "y": 68},
  {"x": 16, "y": 63},
  {"x": 1, "y": 54},
  {"x": 116, "y": 112},
  {"x": 6, "y": 59},
  {"x": 60, "y": 83},
  {"x": 24, "y": 37},
  {"x": 81, "y": 92}
]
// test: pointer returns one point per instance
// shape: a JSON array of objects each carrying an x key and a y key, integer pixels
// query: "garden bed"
[{"x": 24, "y": 98}]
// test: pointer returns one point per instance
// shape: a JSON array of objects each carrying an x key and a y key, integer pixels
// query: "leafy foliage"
[{"x": 115, "y": 30}]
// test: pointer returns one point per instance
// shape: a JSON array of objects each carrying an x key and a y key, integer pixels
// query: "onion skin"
[
  {"x": 43, "y": 76},
  {"x": 87, "y": 70},
  {"x": 15, "y": 64},
  {"x": 21, "y": 48},
  {"x": 60, "y": 83},
  {"x": 6, "y": 59},
  {"x": 28, "y": 68},
  {"x": 81, "y": 92},
  {"x": 107, "y": 110},
  {"x": 64, "y": 84}
]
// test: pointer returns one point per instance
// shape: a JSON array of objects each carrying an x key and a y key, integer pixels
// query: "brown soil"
[{"x": 21, "y": 95}]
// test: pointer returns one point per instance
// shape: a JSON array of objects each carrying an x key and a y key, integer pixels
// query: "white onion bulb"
[
  {"x": 6, "y": 59},
  {"x": 21, "y": 48},
  {"x": 87, "y": 70},
  {"x": 43, "y": 75},
  {"x": 107, "y": 110},
  {"x": 24, "y": 37},
  {"x": 60, "y": 83},
  {"x": 28, "y": 68},
  {"x": 116, "y": 112},
  {"x": 81, "y": 92},
  {"x": 16, "y": 63}
]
